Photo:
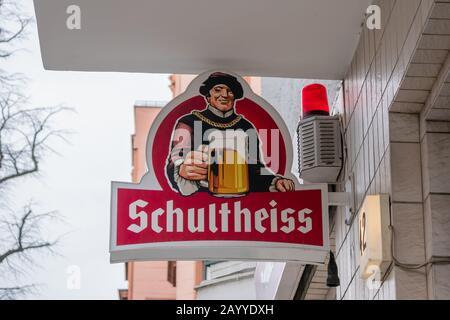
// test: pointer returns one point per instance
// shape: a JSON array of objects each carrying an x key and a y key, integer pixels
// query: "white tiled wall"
[
  {"x": 384, "y": 151},
  {"x": 436, "y": 194},
  {"x": 391, "y": 149}
]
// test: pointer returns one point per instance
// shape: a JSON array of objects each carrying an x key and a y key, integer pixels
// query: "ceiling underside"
[{"x": 291, "y": 38}]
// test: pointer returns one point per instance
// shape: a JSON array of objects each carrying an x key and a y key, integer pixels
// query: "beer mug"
[{"x": 228, "y": 174}]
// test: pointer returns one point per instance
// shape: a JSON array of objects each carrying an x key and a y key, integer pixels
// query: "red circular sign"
[{"x": 253, "y": 112}]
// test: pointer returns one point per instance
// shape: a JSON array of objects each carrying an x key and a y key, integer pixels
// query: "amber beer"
[{"x": 227, "y": 173}]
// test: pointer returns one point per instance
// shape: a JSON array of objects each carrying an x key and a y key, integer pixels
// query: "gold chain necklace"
[{"x": 216, "y": 124}]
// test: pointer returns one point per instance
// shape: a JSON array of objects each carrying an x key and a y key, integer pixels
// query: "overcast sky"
[{"x": 77, "y": 182}]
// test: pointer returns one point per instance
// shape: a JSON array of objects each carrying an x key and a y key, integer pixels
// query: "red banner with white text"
[{"x": 145, "y": 216}]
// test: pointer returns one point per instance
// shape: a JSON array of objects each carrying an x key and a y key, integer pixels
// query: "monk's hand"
[
  {"x": 195, "y": 165},
  {"x": 285, "y": 185}
]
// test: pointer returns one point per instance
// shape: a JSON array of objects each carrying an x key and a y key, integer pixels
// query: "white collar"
[{"x": 219, "y": 113}]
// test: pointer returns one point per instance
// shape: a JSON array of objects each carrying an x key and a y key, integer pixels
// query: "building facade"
[
  {"x": 156, "y": 280},
  {"x": 393, "y": 59},
  {"x": 181, "y": 280},
  {"x": 395, "y": 110},
  {"x": 146, "y": 280},
  {"x": 394, "y": 104}
]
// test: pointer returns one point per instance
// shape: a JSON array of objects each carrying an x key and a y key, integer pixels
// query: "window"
[{"x": 172, "y": 272}]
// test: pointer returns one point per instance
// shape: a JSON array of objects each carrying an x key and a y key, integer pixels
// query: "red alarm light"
[{"x": 315, "y": 101}]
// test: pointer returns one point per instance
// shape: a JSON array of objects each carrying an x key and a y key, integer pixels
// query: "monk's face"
[{"x": 221, "y": 98}]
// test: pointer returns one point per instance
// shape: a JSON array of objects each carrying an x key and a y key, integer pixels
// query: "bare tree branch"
[
  {"x": 31, "y": 131},
  {"x": 10, "y": 293},
  {"x": 13, "y": 26},
  {"x": 11, "y": 36},
  {"x": 23, "y": 232},
  {"x": 26, "y": 135}
]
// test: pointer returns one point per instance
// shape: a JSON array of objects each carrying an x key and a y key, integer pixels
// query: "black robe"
[{"x": 258, "y": 182}]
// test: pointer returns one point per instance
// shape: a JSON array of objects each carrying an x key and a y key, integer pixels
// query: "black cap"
[{"x": 222, "y": 78}]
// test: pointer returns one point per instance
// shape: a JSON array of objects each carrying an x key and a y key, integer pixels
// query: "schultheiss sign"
[{"x": 219, "y": 184}]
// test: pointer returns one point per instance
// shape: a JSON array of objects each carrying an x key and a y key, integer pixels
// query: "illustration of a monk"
[{"x": 189, "y": 164}]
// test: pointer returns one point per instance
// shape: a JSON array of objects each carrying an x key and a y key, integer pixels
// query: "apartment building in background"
[
  {"x": 167, "y": 280},
  {"x": 217, "y": 280},
  {"x": 391, "y": 91}
]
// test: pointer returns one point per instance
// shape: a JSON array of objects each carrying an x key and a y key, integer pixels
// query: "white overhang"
[{"x": 288, "y": 38}]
